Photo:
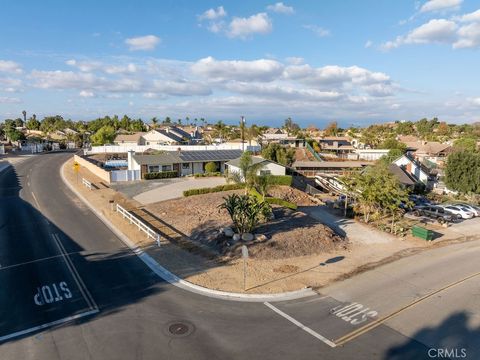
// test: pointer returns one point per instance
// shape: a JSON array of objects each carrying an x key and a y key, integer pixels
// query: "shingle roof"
[
  {"x": 255, "y": 160},
  {"x": 401, "y": 175},
  {"x": 330, "y": 164},
  {"x": 129, "y": 137}
]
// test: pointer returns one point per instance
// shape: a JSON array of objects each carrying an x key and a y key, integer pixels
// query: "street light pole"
[{"x": 242, "y": 125}]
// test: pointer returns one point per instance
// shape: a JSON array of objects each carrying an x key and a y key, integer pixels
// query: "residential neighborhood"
[{"x": 239, "y": 180}]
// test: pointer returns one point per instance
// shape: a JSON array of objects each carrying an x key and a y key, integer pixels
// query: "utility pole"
[{"x": 242, "y": 126}]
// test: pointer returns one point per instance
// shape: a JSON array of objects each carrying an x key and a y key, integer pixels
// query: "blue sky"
[{"x": 356, "y": 62}]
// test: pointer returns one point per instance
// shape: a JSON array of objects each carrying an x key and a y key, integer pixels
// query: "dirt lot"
[
  {"x": 329, "y": 261},
  {"x": 290, "y": 234}
]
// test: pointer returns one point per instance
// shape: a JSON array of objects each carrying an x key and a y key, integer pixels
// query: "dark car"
[{"x": 434, "y": 212}]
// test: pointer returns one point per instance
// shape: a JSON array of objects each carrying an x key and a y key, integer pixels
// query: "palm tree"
[{"x": 154, "y": 122}]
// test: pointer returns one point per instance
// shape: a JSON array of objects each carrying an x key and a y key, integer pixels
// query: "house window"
[
  {"x": 153, "y": 168},
  {"x": 186, "y": 166},
  {"x": 265, "y": 172},
  {"x": 166, "y": 167}
]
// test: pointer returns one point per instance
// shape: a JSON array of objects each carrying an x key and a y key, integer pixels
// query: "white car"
[
  {"x": 472, "y": 208},
  {"x": 460, "y": 211}
]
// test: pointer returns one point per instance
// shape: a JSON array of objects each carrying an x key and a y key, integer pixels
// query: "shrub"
[
  {"x": 210, "y": 167},
  {"x": 208, "y": 174},
  {"x": 160, "y": 175},
  {"x": 281, "y": 180},
  {"x": 218, "y": 188}
]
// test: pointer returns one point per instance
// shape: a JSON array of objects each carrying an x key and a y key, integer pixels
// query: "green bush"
[
  {"x": 281, "y": 180},
  {"x": 160, "y": 175},
  {"x": 210, "y": 167},
  {"x": 208, "y": 174},
  {"x": 218, "y": 188}
]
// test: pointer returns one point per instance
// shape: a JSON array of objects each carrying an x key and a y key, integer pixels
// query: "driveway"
[
  {"x": 354, "y": 231},
  {"x": 173, "y": 190}
]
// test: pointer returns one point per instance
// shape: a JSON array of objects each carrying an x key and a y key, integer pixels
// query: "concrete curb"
[
  {"x": 178, "y": 282},
  {"x": 4, "y": 166}
]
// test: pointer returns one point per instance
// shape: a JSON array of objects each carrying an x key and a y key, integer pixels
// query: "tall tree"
[{"x": 462, "y": 171}]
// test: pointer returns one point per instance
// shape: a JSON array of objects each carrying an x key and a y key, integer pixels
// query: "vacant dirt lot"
[{"x": 290, "y": 234}]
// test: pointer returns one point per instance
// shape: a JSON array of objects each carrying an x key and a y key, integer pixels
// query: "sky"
[{"x": 354, "y": 62}]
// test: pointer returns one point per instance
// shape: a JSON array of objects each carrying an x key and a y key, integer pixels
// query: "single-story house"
[
  {"x": 183, "y": 162},
  {"x": 267, "y": 167},
  {"x": 129, "y": 139}
]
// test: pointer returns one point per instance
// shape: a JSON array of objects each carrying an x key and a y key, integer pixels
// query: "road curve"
[{"x": 72, "y": 290}]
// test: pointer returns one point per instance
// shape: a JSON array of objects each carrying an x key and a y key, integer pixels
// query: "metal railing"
[
  {"x": 313, "y": 152},
  {"x": 87, "y": 183},
  {"x": 139, "y": 223}
]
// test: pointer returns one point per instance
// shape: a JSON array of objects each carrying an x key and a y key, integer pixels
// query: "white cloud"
[
  {"x": 281, "y": 8},
  {"x": 213, "y": 14},
  {"x": 434, "y": 31},
  {"x": 317, "y": 30},
  {"x": 295, "y": 60},
  {"x": 9, "y": 100},
  {"x": 86, "y": 94},
  {"x": 368, "y": 44},
  {"x": 147, "y": 42},
  {"x": 460, "y": 32},
  {"x": 258, "y": 70},
  {"x": 11, "y": 67},
  {"x": 244, "y": 27},
  {"x": 436, "y": 5}
]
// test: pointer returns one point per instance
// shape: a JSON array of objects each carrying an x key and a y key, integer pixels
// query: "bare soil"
[{"x": 290, "y": 234}]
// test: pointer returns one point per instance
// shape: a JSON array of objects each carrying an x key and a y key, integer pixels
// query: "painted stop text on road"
[
  {"x": 51, "y": 293},
  {"x": 354, "y": 313}
]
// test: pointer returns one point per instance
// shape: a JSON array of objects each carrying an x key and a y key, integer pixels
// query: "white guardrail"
[
  {"x": 87, "y": 183},
  {"x": 141, "y": 226}
]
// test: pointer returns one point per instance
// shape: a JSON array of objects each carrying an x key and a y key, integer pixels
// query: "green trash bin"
[{"x": 422, "y": 233}]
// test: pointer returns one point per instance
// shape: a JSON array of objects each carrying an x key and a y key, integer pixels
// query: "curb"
[
  {"x": 4, "y": 167},
  {"x": 174, "y": 279}
]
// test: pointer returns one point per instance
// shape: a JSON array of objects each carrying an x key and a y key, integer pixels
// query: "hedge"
[
  {"x": 218, "y": 188},
  {"x": 208, "y": 174},
  {"x": 160, "y": 175},
  {"x": 281, "y": 180}
]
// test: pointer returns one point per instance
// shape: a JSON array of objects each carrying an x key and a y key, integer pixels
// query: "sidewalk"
[{"x": 355, "y": 232}]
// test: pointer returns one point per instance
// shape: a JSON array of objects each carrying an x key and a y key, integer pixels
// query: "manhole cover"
[{"x": 178, "y": 329}]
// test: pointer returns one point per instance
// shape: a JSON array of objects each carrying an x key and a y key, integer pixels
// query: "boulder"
[
  {"x": 247, "y": 237},
  {"x": 236, "y": 237},
  {"x": 261, "y": 237},
  {"x": 228, "y": 232}
]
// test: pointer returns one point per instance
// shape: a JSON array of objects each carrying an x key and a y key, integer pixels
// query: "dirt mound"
[
  {"x": 290, "y": 234},
  {"x": 291, "y": 194}
]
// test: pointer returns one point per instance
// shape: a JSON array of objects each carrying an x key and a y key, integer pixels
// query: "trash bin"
[{"x": 422, "y": 233}]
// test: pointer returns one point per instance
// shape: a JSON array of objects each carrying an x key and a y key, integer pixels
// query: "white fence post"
[{"x": 141, "y": 226}]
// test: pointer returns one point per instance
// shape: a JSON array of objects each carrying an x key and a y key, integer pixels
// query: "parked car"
[
  {"x": 434, "y": 212},
  {"x": 472, "y": 208},
  {"x": 460, "y": 211}
]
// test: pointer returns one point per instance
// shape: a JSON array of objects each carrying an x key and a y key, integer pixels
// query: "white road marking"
[
  {"x": 301, "y": 326},
  {"x": 36, "y": 201},
  {"x": 81, "y": 285},
  {"x": 44, "y": 326},
  {"x": 350, "y": 313}
]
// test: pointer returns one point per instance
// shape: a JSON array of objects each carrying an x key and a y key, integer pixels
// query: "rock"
[
  {"x": 236, "y": 237},
  {"x": 261, "y": 237},
  {"x": 228, "y": 232},
  {"x": 247, "y": 237}
]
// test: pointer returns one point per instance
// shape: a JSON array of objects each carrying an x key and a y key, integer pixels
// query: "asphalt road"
[{"x": 72, "y": 290}]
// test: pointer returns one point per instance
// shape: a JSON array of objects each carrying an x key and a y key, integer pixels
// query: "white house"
[
  {"x": 416, "y": 169},
  {"x": 268, "y": 167}
]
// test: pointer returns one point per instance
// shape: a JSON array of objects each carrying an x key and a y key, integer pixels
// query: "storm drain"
[{"x": 180, "y": 328}]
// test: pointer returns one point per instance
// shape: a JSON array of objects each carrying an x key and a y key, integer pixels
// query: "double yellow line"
[{"x": 370, "y": 326}]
